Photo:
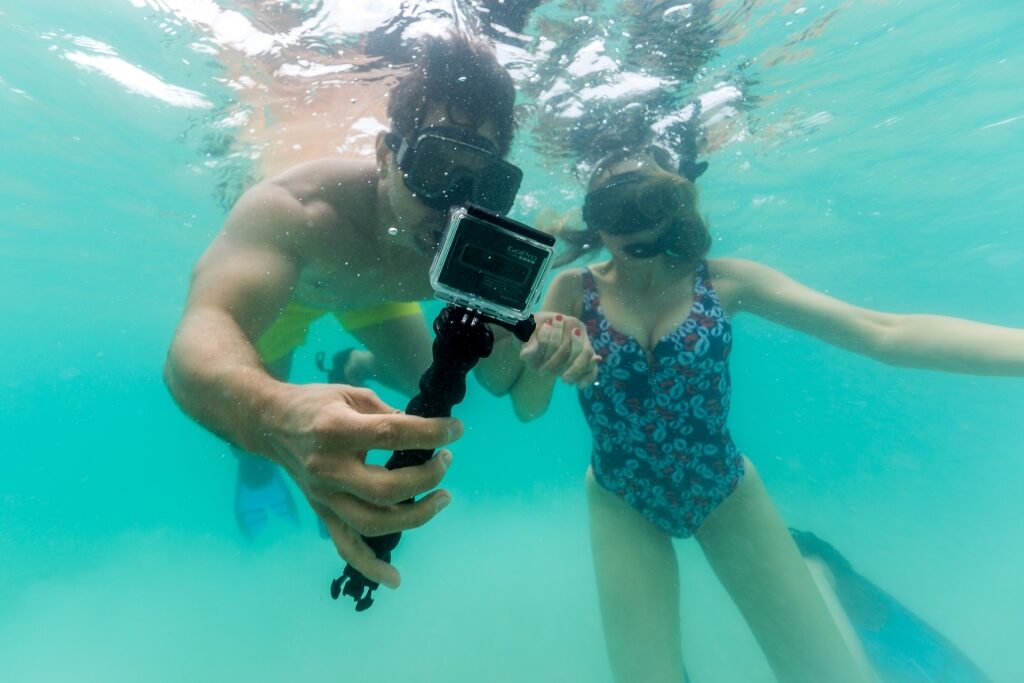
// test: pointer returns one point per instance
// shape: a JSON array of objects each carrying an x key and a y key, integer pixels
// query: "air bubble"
[
  {"x": 392, "y": 231},
  {"x": 678, "y": 14}
]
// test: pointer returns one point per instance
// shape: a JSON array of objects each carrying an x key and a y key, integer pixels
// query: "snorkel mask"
[
  {"x": 636, "y": 201},
  {"x": 446, "y": 166}
]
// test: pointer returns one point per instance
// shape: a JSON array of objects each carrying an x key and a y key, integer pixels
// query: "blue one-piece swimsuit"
[{"x": 660, "y": 435}]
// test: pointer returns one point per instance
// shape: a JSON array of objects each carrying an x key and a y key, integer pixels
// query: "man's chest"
[{"x": 341, "y": 284}]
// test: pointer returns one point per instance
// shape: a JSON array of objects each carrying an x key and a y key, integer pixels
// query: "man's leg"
[{"x": 260, "y": 487}]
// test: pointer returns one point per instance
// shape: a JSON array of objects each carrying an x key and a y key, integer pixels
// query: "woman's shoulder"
[
  {"x": 731, "y": 277},
  {"x": 730, "y": 267},
  {"x": 565, "y": 293},
  {"x": 576, "y": 278},
  {"x": 567, "y": 283}
]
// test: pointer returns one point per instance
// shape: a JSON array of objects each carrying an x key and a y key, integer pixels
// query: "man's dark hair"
[{"x": 464, "y": 77}]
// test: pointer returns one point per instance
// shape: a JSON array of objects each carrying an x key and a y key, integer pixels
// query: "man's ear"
[{"x": 383, "y": 154}]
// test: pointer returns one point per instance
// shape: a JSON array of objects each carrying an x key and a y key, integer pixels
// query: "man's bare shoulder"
[
  {"x": 306, "y": 201},
  {"x": 329, "y": 179}
]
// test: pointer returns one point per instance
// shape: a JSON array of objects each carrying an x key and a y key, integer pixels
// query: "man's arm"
[
  {"x": 319, "y": 433},
  {"x": 238, "y": 287}
]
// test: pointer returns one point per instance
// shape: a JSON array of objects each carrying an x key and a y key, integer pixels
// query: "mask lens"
[
  {"x": 497, "y": 186},
  {"x": 629, "y": 221},
  {"x": 445, "y": 172},
  {"x": 433, "y": 169},
  {"x": 661, "y": 199},
  {"x": 614, "y": 208},
  {"x": 631, "y": 203}
]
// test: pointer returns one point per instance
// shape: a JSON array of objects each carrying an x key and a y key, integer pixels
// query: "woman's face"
[{"x": 642, "y": 245}]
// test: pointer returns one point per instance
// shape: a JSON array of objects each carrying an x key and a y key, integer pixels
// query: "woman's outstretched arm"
[{"x": 933, "y": 342}]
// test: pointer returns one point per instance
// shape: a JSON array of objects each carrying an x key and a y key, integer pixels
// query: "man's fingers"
[
  {"x": 585, "y": 373},
  {"x": 543, "y": 341},
  {"x": 581, "y": 364},
  {"x": 576, "y": 347},
  {"x": 555, "y": 342},
  {"x": 398, "y": 431},
  {"x": 377, "y": 520},
  {"x": 381, "y": 486},
  {"x": 557, "y": 360},
  {"x": 583, "y": 368},
  {"x": 353, "y": 549},
  {"x": 557, "y": 328},
  {"x": 367, "y": 402}
]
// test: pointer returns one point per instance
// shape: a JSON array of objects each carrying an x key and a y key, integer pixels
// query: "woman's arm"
[
  {"x": 559, "y": 348},
  {"x": 920, "y": 341}
]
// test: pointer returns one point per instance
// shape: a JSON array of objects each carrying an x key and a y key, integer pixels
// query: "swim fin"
[
  {"x": 254, "y": 501},
  {"x": 900, "y": 646}
]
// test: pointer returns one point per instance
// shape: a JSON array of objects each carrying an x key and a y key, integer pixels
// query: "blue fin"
[
  {"x": 900, "y": 646},
  {"x": 255, "y": 501}
]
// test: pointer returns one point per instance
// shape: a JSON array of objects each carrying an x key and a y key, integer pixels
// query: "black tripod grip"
[{"x": 462, "y": 339}]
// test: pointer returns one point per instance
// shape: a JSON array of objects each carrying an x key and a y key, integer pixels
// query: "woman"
[{"x": 663, "y": 462}]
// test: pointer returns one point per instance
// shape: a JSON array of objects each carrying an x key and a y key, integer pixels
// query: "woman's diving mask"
[
  {"x": 637, "y": 201},
  {"x": 634, "y": 201}
]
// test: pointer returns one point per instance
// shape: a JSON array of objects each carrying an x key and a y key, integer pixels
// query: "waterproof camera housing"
[{"x": 490, "y": 263}]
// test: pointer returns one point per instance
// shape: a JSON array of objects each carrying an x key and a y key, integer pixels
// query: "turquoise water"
[{"x": 880, "y": 159}]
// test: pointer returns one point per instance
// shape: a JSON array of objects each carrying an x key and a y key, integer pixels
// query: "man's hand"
[
  {"x": 560, "y": 346},
  {"x": 323, "y": 435}
]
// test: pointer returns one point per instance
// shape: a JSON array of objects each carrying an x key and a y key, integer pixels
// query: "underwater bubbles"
[{"x": 678, "y": 14}]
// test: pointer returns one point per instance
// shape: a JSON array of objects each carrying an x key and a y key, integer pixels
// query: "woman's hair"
[
  {"x": 694, "y": 237},
  {"x": 464, "y": 77}
]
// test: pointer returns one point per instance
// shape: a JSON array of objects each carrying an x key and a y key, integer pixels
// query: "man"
[{"x": 351, "y": 238}]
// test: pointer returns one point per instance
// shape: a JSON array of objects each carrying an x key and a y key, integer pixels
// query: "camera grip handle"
[{"x": 462, "y": 339}]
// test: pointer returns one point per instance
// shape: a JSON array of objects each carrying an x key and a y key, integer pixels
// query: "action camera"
[{"x": 490, "y": 263}]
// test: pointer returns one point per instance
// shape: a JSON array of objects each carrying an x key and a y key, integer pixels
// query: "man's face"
[{"x": 419, "y": 225}]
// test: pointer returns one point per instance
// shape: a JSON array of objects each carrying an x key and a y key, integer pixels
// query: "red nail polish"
[
  {"x": 558, "y": 317},
  {"x": 576, "y": 331}
]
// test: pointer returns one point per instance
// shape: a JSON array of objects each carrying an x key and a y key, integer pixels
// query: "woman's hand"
[{"x": 561, "y": 347}]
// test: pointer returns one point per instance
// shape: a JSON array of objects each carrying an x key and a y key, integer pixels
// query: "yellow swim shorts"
[{"x": 291, "y": 327}]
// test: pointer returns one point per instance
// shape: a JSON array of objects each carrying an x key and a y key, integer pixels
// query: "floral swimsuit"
[{"x": 659, "y": 427}]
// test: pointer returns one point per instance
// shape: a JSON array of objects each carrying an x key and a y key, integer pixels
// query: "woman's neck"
[{"x": 643, "y": 276}]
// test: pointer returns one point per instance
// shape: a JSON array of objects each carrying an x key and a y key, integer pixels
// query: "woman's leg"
[
  {"x": 638, "y": 590},
  {"x": 755, "y": 558}
]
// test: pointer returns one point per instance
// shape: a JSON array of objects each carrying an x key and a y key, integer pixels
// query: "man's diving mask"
[
  {"x": 446, "y": 166},
  {"x": 633, "y": 202}
]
